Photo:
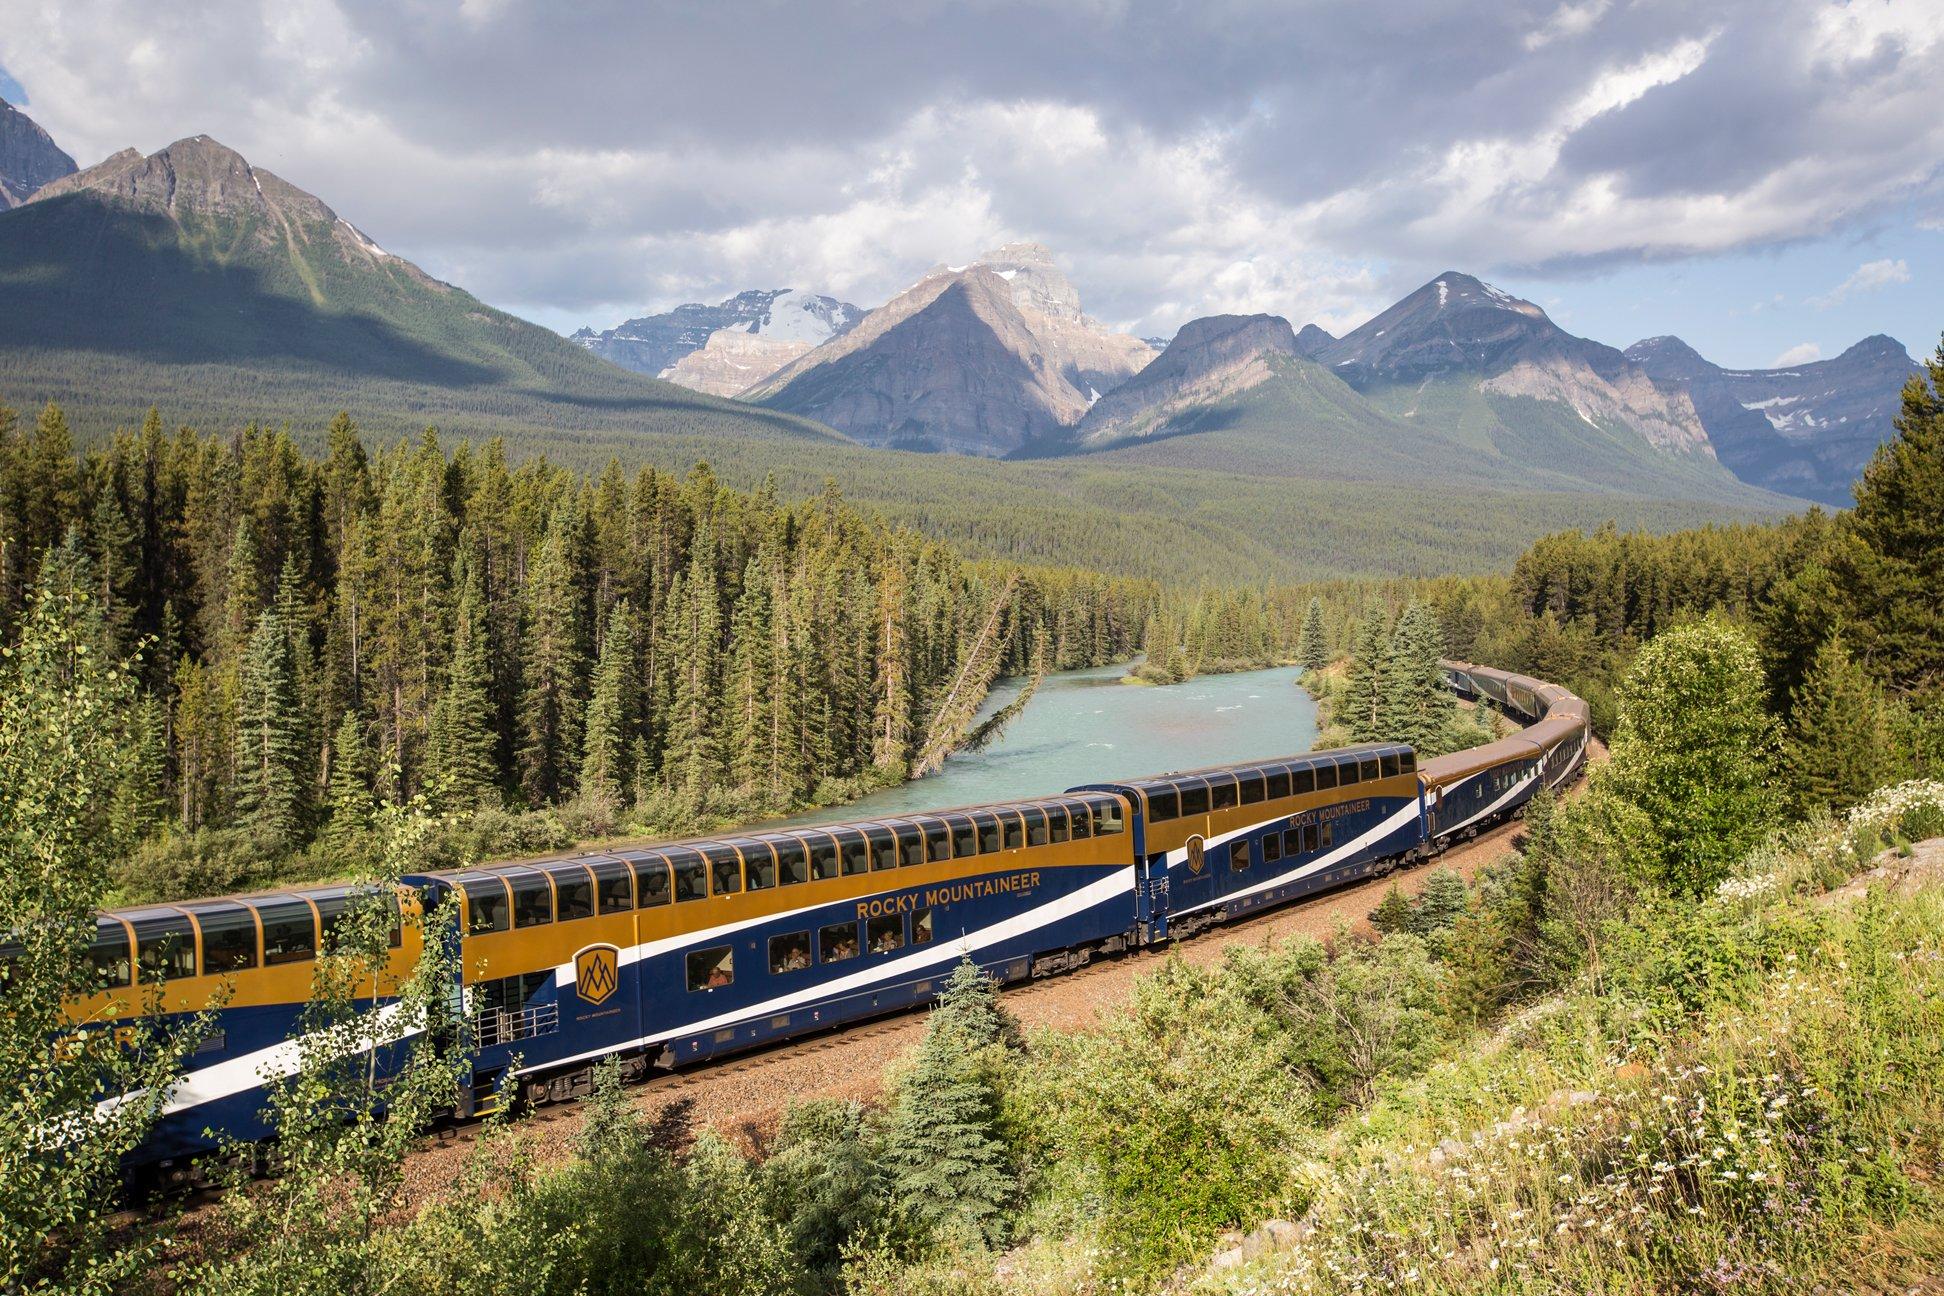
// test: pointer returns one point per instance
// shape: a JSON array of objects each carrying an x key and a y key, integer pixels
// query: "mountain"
[
  {"x": 190, "y": 277},
  {"x": 976, "y": 359},
  {"x": 1310, "y": 341},
  {"x": 752, "y": 335},
  {"x": 1807, "y": 430},
  {"x": 29, "y": 158},
  {"x": 1494, "y": 373}
]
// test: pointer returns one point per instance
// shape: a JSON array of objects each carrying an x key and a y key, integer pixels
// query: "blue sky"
[{"x": 1762, "y": 177}]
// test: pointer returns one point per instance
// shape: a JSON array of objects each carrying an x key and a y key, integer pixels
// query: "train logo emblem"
[
  {"x": 1195, "y": 859},
  {"x": 597, "y": 972}
]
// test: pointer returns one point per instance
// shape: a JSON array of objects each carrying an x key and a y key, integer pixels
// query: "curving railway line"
[{"x": 668, "y": 956}]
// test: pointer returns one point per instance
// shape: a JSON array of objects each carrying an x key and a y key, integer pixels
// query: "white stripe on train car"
[
  {"x": 1120, "y": 881},
  {"x": 252, "y": 1070},
  {"x": 1335, "y": 855},
  {"x": 1493, "y": 808}
]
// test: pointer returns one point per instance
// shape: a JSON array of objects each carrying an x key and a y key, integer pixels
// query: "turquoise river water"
[{"x": 1086, "y": 727}]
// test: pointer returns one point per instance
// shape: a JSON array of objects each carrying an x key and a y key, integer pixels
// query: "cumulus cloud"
[
  {"x": 1312, "y": 159},
  {"x": 1868, "y": 277},
  {"x": 1800, "y": 353}
]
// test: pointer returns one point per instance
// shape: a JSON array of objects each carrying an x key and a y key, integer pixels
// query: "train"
[{"x": 667, "y": 955}]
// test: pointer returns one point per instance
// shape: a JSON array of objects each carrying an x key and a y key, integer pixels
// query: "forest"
[{"x": 550, "y": 656}]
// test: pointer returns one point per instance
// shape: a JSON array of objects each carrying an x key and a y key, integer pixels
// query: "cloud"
[
  {"x": 1800, "y": 353},
  {"x": 1867, "y": 278},
  {"x": 595, "y": 160}
]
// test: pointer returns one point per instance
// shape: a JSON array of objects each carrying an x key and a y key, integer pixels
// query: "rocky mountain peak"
[
  {"x": 199, "y": 175},
  {"x": 29, "y": 157},
  {"x": 1879, "y": 347},
  {"x": 1310, "y": 340},
  {"x": 1667, "y": 357}
]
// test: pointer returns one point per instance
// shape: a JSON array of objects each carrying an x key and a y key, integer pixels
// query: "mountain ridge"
[{"x": 29, "y": 158}]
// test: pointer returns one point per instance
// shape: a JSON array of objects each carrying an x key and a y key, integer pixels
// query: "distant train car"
[
  {"x": 669, "y": 954},
  {"x": 1220, "y": 842}
]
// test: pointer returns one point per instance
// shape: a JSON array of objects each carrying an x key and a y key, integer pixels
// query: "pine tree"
[
  {"x": 351, "y": 803},
  {"x": 891, "y": 725},
  {"x": 1890, "y": 578},
  {"x": 1359, "y": 706},
  {"x": 1837, "y": 745},
  {"x": 750, "y": 687},
  {"x": 1311, "y": 646},
  {"x": 270, "y": 791},
  {"x": 948, "y": 1162},
  {"x": 691, "y": 654},
  {"x": 1394, "y": 913},
  {"x": 1414, "y": 706},
  {"x": 1441, "y": 903},
  {"x": 611, "y": 712},
  {"x": 460, "y": 768},
  {"x": 550, "y": 699}
]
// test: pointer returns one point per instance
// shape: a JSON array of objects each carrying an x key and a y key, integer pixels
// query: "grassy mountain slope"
[{"x": 192, "y": 279}]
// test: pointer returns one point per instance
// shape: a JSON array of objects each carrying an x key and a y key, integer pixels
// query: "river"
[{"x": 1086, "y": 727}]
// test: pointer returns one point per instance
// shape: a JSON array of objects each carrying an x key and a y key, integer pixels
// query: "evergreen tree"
[
  {"x": 1837, "y": 745},
  {"x": 1442, "y": 903},
  {"x": 1394, "y": 913},
  {"x": 1359, "y": 705},
  {"x": 1890, "y": 577},
  {"x": 270, "y": 790},
  {"x": 351, "y": 803},
  {"x": 550, "y": 699},
  {"x": 947, "y": 1160},
  {"x": 611, "y": 709},
  {"x": 752, "y": 698},
  {"x": 460, "y": 768},
  {"x": 1312, "y": 648},
  {"x": 1415, "y": 706},
  {"x": 691, "y": 653}
]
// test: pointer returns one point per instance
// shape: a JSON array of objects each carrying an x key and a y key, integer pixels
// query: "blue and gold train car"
[{"x": 668, "y": 954}]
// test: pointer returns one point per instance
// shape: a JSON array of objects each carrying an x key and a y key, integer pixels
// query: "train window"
[
  {"x": 487, "y": 908},
  {"x": 1194, "y": 801},
  {"x": 1082, "y": 822},
  {"x": 725, "y": 870},
  {"x": 290, "y": 928},
  {"x": 857, "y": 854},
  {"x": 229, "y": 940},
  {"x": 711, "y": 969},
  {"x": 613, "y": 889},
  {"x": 573, "y": 894},
  {"x": 651, "y": 881},
  {"x": 885, "y": 934},
  {"x": 1252, "y": 788},
  {"x": 1035, "y": 826},
  {"x": 1370, "y": 770},
  {"x": 1239, "y": 854},
  {"x": 884, "y": 849},
  {"x": 1388, "y": 764},
  {"x": 165, "y": 946},
  {"x": 1347, "y": 774},
  {"x": 911, "y": 845},
  {"x": 1163, "y": 806},
  {"x": 792, "y": 861},
  {"x": 1107, "y": 819},
  {"x": 1221, "y": 793},
  {"x": 108, "y": 952},
  {"x": 988, "y": 833},
  {"x": 823, "y": 859},
  {"x": 1015, "y": 832},
  {"x": 1302, "y": 782},
  {"x": 789, "y": 952},
  {"x": 759, "y": 866},
  {"x": 1278, "y": 784},
  {"x": 837, "y": 942},
  {"x": 1407, "y": 762},
  {"x": 1058, "y": 829},
  {"x": 1325, "y": 835},
  {"x": 921, "y": 926},
  {"x": 532, "y": 899},
  {"x": 691, "y": 875},
  {"x": 1326, "y": 777},
  {"x": 938, "y": 842},
  {"x": 1293, "y": 842},
  {"x": 965, "y": 839},
  {"x": 1271, "y": 848}
]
